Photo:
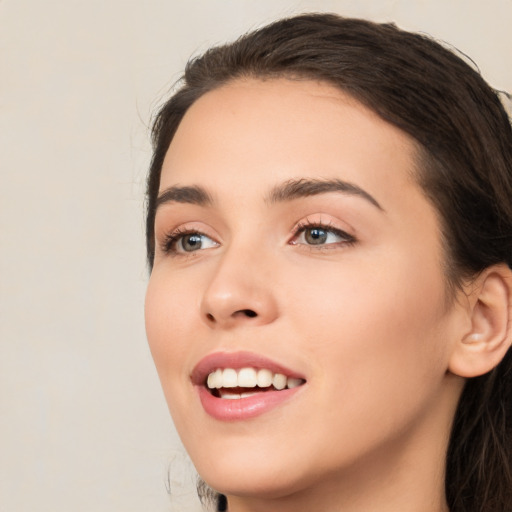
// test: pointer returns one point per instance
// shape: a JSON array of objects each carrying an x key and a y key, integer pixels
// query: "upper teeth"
[{"x": 250, "y": 378}]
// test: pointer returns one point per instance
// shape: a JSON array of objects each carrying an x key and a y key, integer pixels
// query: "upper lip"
[{"x": 237, "y": 360}]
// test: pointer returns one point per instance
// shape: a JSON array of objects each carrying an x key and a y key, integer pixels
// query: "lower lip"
[{"x": 244, "y": 408}]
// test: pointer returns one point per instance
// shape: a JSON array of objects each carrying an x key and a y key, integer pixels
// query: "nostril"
[
  {"x": 210, "y": 317},
  {"x": 249, "y": 313}
]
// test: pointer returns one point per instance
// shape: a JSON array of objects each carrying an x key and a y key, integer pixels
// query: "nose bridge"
[{"x": 240, "y": 290}]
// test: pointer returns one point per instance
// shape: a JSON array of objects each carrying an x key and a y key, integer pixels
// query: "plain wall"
[{"x": 83, "y": 423}]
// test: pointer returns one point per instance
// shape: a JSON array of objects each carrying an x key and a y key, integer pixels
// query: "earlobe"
[{"x": 484, "y": 346}]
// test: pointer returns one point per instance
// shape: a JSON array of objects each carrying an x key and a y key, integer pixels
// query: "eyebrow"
[
  {"x": 190, "y": 194},
  {"x": 295, "y": 189},
  {"x": 288, "y": 191}
]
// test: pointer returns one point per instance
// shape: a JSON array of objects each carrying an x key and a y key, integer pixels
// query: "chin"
[
  {"x": 259, "y": 475},
  {"x": 257, "y": 484}
]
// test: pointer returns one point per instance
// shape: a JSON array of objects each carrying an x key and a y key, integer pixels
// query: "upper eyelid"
[
  {"x": 328, "y": 225},
  {"x": 169, "y": 238},
  {"x": 183, "y": 228}
]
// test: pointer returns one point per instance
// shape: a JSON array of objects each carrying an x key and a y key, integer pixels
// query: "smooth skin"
[{"x": 365, "y": 314}]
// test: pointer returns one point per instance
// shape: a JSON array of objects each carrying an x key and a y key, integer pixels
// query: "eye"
[
  {"x": 320, "y": 235},
  {"x": 180, "y": 242}
]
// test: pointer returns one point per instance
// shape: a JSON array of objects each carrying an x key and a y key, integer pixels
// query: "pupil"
[
  {"x": 316, "y": 236},
  {"x": 191, "y": 242}
]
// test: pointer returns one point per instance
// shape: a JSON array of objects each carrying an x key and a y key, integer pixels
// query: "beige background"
[{"x": 83, "y": 424}]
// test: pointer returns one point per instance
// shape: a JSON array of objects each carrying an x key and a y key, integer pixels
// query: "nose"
[{"x": 240, "y": 292}]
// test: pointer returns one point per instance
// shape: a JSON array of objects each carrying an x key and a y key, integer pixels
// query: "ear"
[{"x": 481, "y": 349}]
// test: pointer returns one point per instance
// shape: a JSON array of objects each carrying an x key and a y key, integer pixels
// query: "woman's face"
[{"x": 292, "y": 239}]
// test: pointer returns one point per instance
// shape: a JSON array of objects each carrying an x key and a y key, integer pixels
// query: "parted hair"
[{"x": 463, "y": 142}]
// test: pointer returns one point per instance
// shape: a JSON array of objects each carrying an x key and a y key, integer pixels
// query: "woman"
[{"x": 330, "y": 235}]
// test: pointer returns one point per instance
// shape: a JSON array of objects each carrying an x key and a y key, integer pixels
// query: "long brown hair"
[{"x": 465, "y": 168}]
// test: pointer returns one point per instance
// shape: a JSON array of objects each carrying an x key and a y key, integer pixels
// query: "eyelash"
[
  {"x": 171, "y": 239},
  {"x": 348, "y": 240}
]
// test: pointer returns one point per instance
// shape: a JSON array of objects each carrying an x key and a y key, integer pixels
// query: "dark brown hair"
[{"x": 464, "y": 140}]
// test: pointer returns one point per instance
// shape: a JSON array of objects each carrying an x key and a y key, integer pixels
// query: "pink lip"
[{"x": 243, "y": 408}]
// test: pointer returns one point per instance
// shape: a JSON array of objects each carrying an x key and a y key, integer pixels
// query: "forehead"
[{"x": 251, "y": 133}]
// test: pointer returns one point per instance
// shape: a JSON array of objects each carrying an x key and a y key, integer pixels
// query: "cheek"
[
  {"x": 400, "y": 294},
  {"x": 170, "y": 328},
  {"x": 376, "y": 343},
  {"x": 375, "y": 330},
  {"x": 165, "y": 304}
]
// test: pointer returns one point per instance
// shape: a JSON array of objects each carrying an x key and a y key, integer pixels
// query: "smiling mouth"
[{"x": 232, "y": 384}]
